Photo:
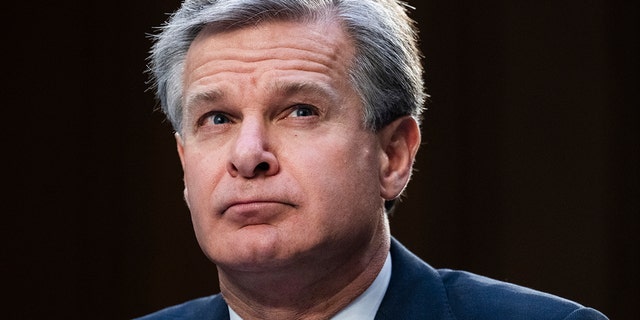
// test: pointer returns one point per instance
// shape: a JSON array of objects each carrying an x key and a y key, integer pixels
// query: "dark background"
[{"x": 528, "y": 173}]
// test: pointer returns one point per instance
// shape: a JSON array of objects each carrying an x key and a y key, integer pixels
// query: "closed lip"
[{"x": 248, "y": 204}]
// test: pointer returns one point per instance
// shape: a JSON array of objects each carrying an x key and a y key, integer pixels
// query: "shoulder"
[
  {"x": 211, "y": 307},
  {"x": 484, "y": 297},
  {"x": 451, "y": 294}
]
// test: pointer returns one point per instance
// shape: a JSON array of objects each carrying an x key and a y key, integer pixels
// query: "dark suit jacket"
[{"x": 418, "y": 291}]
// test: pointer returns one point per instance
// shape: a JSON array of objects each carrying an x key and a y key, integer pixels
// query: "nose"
[{"x": 251, "y": 156}]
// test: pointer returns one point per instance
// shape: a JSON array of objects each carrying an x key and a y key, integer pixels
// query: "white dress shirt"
[{"x": 365, "y": 306}]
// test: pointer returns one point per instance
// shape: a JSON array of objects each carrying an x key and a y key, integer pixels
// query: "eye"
[
  {"x": 219, "y": 118},
  {"x": 214, "y": 118},
  {"x": 302, "y": 110}
]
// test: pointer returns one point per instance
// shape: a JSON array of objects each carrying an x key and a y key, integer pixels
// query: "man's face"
[{"x": 278, "y": 168}]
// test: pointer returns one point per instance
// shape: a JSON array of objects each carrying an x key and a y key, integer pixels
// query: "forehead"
[
  {"x": 306, "y": 45},
  {"x": 272, "y": 54}
]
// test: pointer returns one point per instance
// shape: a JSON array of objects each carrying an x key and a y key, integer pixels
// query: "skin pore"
[{"x": 285, "y": 185}]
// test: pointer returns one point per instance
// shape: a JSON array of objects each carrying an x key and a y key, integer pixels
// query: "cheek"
[
  {"x": 342, "y": 177},
  {"x": 201, "y": 175}
]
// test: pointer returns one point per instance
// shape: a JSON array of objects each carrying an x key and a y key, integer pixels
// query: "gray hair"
[{"x": 386, "y": 71}]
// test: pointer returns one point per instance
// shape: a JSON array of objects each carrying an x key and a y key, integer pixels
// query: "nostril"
[{"x": 262, "y": 166}]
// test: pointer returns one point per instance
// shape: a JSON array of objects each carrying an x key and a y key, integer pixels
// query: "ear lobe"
[{"x": 400, "y": 141}]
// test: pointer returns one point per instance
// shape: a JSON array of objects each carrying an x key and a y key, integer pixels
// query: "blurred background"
[{"x": 528, "y": 172}]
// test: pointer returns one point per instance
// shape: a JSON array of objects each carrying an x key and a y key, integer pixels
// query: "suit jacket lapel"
[
  {"x": 415, "y": 290},
  {"x": 219, "y": 310}
]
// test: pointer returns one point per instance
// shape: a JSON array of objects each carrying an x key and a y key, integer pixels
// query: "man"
[{"x": 297, "y": 125}]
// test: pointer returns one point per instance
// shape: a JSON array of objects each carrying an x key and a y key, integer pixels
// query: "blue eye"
[
  {"x": 302, "y": 111},
  {"x": 218, "y": 118}
]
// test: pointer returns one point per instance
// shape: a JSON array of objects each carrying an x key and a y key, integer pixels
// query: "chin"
[{"x": 249, "y": 254}]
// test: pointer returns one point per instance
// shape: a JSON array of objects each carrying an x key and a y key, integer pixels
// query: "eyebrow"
[
  {"x": 206, "y": 97},
  {"x": 281, "y": 88},
  {"x": 288, "y": 89}
]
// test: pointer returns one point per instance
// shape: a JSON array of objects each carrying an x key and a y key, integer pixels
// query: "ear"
[
  {"x": 399, "y": 141},
  {"x": 180, "y": 147}
]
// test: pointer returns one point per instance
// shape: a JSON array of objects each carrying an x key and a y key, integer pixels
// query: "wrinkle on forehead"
[{"x": 324, "y": 41}]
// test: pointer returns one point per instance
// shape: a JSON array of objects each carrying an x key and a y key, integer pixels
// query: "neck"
[{"x": 309, "y": 290}]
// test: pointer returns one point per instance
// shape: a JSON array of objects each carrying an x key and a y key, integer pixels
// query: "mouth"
[
  {"x": 255, "y": 208},
  {"x": 247, "y": 204}
]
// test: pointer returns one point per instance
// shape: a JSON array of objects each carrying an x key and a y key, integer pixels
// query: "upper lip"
[{"x": 236, "y": 202}]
